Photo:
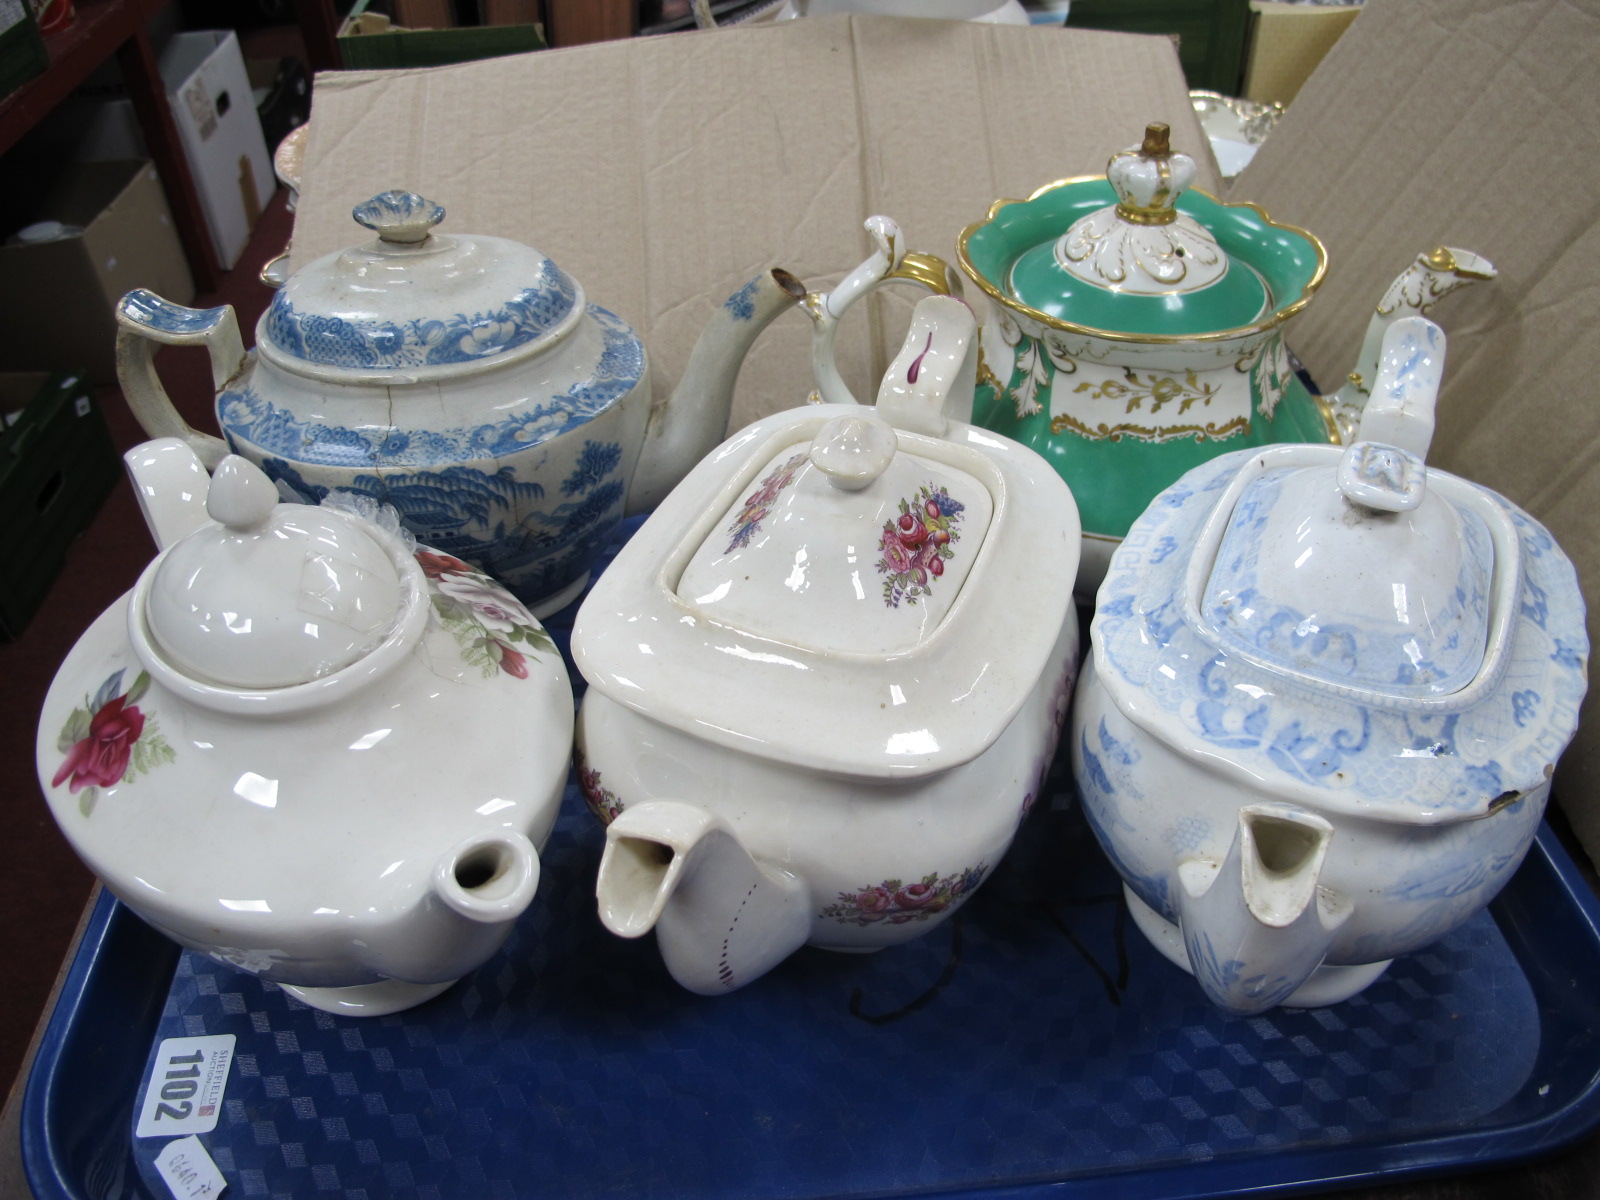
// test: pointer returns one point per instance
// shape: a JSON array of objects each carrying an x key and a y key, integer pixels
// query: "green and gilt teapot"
[{"x": 1138, "y": 331}]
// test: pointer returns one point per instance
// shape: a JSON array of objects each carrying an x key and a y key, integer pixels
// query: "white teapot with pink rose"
[{"x": 258, "y": 748}]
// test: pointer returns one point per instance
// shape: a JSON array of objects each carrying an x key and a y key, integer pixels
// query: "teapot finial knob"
[
  {"x": 852, "y": 451},
  {"x": 1142, "y": 243},
  {"x": 1150, "y": 177},
  {"x": 399, "y": 217},
  {"x": 242, "y": 497}
]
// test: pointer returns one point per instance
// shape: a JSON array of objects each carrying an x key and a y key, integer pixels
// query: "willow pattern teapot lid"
[{"x": 416, "y": 301}]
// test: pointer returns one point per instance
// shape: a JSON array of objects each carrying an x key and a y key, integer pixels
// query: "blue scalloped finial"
[{"x": 397, "y": 216}]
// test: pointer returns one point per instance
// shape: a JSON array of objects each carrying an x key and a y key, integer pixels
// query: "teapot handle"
[
  {"x": 889, "y": 263},
  {"x": 145, "y": 322},
  {"x": 1431, "y": 276},
  {"x": 935, "y": 370}
]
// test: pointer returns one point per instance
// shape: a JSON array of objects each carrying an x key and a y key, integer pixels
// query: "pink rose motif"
[
  {"x": 494, "y": 607},
  {"x": 876, "y": 899},
  {"x": 896, "y": 555},
  {"x": 101, "y": 758},
  {"x": 512, "y": 662},
  {"x": 917, "y": 895},
  {"x": 436, "y": 566}
]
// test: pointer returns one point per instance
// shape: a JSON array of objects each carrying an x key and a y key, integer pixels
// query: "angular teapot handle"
[
  {"x": 1431, "y": 277},
  {"x": 146, "y": 321},
  {"x": 1385, "y": 470},
  {"x": 935, "y": 370},
  {"x": 889, "y": 263}
]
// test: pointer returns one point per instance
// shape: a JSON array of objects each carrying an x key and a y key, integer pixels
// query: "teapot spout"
[
  {"x": 477, "y": 891},
  {"x": 688, "y": 424},
  {"x": 1431, "y": 277},
  {"x": 1258, "y": 925},
  {"x": 721, "y": 918}
]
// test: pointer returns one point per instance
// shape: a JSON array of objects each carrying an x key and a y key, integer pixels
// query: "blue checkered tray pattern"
[{"x": 1039, "y": 1039}]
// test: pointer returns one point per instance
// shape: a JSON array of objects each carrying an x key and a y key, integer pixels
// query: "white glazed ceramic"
[
  {"x": 307, "y": 747},
  {"x": 1234, "y": 127},
  {"x": 468, "y": 382},
  {"x": 1327, "y": 693},
  {"x": 828, "y": 674}
]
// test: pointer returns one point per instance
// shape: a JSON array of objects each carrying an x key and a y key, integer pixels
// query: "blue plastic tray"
[
  {"x": 1036, "y": 1039},
  {"x": 1033, "y": 1040}
]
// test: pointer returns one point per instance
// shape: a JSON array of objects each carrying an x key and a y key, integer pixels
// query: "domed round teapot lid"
[
  {"x": 271, "y": 594},
  {"x": 1353, "y": 628},
  {"x": 1159, "y": 261},
  {"x": 413, "y": 300},
  {"x": 871, "y": 592}
]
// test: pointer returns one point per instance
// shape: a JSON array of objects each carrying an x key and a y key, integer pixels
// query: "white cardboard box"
[{"x": 215, "y": 112}]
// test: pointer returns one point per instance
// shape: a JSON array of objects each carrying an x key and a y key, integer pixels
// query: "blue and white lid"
[
  {"x": 417, "y": 301},
  {"x": 1348, "y": 626}
]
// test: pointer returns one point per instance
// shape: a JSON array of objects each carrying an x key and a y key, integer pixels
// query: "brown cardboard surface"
[
  {"x": 664, "y": 172},
  {"x": 1469, "y": 123}
]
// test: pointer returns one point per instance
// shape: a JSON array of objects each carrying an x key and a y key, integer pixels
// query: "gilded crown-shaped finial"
[
  {"x": 1143, "y": 243},
  {"x": 1149, "y": 178}
]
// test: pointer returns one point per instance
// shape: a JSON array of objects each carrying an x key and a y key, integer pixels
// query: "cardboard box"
[
  {"x": 664, "y": 172},
  {"x": 215, "y": 112},
  {"x": 57, "y": 297},
  {"x": 1287, "y": 41},
  {"x": 57, "y": 464}
]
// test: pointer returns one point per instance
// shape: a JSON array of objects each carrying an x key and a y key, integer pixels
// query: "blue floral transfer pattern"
[
  {"x": 333, "y": 341},
  {"x": 1226, "y": 983},
  {"x": 495, "y": 521},
  {"x": 742, "y": 303},
  {"x": 150, "y": 309},
  {"x": 1339, "y": 647},
  {"x": 1338, "y": 750},
  {"x": 248, "y": 419}
]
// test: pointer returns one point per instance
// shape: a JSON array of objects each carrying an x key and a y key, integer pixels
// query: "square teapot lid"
[{"x": 767, "y": 608}]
